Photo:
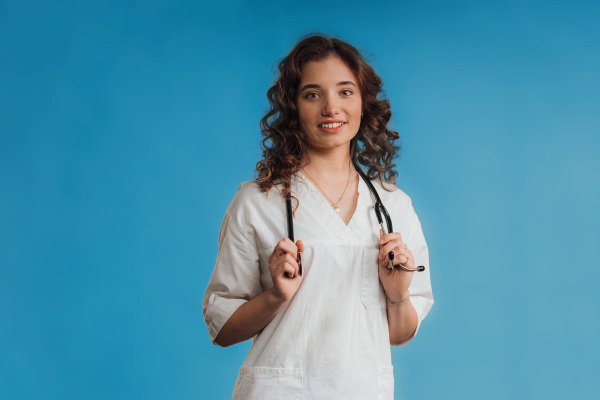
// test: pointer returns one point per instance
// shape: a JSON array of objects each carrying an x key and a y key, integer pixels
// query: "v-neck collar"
[{"x": 313, "y": 202}]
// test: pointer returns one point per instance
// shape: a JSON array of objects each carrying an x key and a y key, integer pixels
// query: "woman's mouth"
[{"x": 332, "y": 125}]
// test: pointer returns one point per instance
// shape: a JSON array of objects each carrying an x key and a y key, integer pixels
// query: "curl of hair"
[{"x": 284, "y": 144}]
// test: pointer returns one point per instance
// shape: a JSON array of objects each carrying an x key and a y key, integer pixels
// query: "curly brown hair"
[{"x": 284, "y": 144}]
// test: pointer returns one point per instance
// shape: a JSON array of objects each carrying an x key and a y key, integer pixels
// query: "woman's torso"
[{"x": 331, "y": 340}]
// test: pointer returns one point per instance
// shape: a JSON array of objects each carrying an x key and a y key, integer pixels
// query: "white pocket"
[
  {"x": 385, "y": 383},
  {"x": 372, "y": 295},
  {"x": 263, "y": 383}
]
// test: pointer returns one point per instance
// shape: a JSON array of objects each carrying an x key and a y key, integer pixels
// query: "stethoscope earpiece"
[{"x": 420, "y": 268}]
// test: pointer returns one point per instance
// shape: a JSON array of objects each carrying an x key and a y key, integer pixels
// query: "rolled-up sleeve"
[
  {"x": 421, "y": 295},
  {"x": 235, "y": 278}
]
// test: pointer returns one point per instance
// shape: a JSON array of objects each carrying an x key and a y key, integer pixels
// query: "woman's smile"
[{"x": 331, "y": 126}]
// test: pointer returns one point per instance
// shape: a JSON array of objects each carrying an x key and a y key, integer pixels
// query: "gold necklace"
[{"x": 334, "y": 205}]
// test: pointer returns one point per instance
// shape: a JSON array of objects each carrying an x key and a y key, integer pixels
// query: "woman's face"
[{"x": 329, "y": 104}]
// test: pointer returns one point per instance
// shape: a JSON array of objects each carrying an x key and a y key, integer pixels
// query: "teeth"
[{"x": 334, "y": 125}]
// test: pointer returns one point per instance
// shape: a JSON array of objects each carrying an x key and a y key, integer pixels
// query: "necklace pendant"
[{"x": 336, "y": 208}]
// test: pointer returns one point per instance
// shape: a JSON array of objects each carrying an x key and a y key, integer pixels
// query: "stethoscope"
[{"x": 379, "y": 210}]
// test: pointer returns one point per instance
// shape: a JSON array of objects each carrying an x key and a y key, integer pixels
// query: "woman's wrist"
[
  {"x": 398, "y": 300},
  {"x": 275, "y": 298}
]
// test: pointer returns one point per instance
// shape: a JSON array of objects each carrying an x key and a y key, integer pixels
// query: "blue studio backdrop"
[{"x": 126, "y": 128}]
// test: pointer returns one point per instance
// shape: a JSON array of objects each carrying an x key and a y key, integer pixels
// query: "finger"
[
  {"x": 300, "y": 246},
  {"x": 279, "y": 249},
  {"x": 405, "y": 252},
  {"x": 402, "y": 259},
  {"x": 300, "y": 255},
  {"x": 289, "y": 270},
  {"x": 389, "y": 237},
  {"x": 403, "y": 256},
  {"x": 292, "y": 261},
  {"x": 391, "y": 246},
  {"x": 382, "y": 241},
  {"x": 287, "y": 246},
  {"x": 282, "y": 269}
]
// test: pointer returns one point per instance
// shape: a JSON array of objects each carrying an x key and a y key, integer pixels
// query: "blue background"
[{"x": 127, "y": 126}]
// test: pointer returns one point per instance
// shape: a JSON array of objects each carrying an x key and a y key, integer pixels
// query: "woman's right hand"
[
  {"x": 252, "y": 316},
  {"x": 284, "y": 268}
]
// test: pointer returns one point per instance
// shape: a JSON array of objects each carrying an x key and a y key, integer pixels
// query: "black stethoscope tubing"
[{"x": 379, "y": 210}]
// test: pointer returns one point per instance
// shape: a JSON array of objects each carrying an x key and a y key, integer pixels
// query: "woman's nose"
[{"x": 331, "y": 107}]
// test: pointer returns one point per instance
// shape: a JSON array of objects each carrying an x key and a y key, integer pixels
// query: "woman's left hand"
[{"x": 395, "y": 281}]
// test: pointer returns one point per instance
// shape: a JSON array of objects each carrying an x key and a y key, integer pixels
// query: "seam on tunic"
[
  {"x": 237, "y": 231},
  {"x": 309, "y": 242}
]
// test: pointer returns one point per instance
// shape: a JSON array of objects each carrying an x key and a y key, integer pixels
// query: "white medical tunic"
[{"x": 331, "y": 340}]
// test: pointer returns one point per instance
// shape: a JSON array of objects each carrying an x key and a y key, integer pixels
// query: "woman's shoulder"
[
  {"x": 252, "y": 211},
  {"x": 390, "y": 192},
  {"x": 248, "y": 189},
  {"x": 250, "y": 197},
  {"x": 251, "y": 190}
]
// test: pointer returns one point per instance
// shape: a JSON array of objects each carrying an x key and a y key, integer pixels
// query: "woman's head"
[
  {"x": 329, "y": 105},
  {"x": 289, "y": 133}
]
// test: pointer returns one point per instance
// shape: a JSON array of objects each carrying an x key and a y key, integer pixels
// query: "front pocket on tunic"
[
  {"x": 263, "y": 383},
  {"x": 385, "y": 383},
  {"x": 372, "y": 295}
]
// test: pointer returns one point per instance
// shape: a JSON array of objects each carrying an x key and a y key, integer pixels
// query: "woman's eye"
[
  {"x": 311, "y": 95},
  {"x": 346, "y": 92}
]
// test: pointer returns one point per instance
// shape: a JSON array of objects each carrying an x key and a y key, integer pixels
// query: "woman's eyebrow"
[
  {"x": 315, "y": 86},
  {"x": 309, "y": 86},
  {"x": 344, "y": 83}
]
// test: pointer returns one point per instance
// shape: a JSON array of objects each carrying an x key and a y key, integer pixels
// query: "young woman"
[{"x": 324, "y": 310}]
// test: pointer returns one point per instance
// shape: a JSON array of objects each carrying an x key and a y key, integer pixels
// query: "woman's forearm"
[
  {"x": 250, "y": 318},
  {"x": 402, "y": 323}
]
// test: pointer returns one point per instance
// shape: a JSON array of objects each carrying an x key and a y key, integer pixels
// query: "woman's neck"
[
  {"x": 328, "y": 165},
  {"x": 334, "y": 176}
]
